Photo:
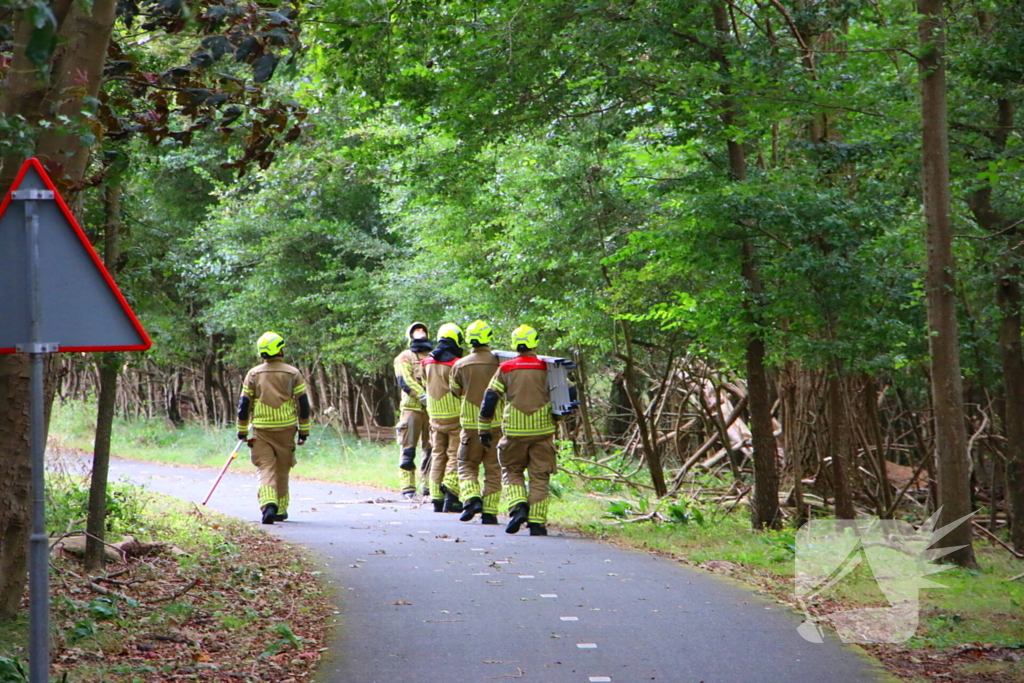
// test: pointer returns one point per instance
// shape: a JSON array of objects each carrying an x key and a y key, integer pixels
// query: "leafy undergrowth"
[
  {"x": 241, "y": 606},
  {"x": 971, "y": 631}
]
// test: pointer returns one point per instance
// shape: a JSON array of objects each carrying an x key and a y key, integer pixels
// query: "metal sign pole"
[{"x": 38, "y": 544}]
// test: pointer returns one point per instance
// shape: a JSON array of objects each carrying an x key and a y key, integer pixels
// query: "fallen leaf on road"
[{"x": 401, "y": 602}]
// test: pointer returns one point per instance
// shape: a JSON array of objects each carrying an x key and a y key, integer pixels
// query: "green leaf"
[
  {"x": 12, "y": 671},
  {"x": 41, "y": 44},
  {"x": 102, "y": 609},
  {"x": 82, "y": 629}
]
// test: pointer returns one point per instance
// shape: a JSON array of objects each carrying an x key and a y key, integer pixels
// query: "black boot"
[
  {"x": 281, "y": 517},
  {"x": 537, "y": 529},
  {"x": 409, "y": 495},
  {"x": 438, "y": 505},
  {"x": 408, "y": 462},
  {"x": 517, "y": 517},
  {"x": 488, "y": 518},
  {"x": 473, "y": 507},
  {"x": 452, "y": 503},
  {"x": 269, "y": 512}
]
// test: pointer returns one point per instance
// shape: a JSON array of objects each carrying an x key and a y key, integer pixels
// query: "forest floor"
[{"x": 226, "y": 611}]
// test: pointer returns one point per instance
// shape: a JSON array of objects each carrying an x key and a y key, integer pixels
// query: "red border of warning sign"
[{"x": 146, "y": 342}]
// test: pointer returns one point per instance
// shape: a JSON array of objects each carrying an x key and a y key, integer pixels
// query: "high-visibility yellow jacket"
[
  {"x": 276, "y": 391},
  {"x": 469, "y": 379},
  {"x": 442, "y": 404},
  {"x": 409, "y": 373},
  {"x": 523, "y": 383}
]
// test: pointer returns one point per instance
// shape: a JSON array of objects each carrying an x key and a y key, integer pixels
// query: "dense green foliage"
[{"x": 565, "y": 164}]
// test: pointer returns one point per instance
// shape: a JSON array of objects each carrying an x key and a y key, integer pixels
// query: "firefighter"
[
  {"x": 444, "y": 407},
  {"x": 529, "y": 432},
  {"x": 413, "y": 427},
  {"x": 274, "y": 394},
  {"x": 468, "y": 380}
]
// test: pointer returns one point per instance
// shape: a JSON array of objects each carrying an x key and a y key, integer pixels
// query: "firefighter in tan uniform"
[
  {"x": 529, "y": 426},
  {"x": 413, "y": 426},
  {"x": 274, "y": 394},
  {"x": 468, "y": 380},
  {"x": 443, "y": 407}
]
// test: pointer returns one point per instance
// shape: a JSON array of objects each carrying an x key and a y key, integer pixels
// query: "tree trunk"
[
  {"x": 632, "y": 391},
  {"x": 174, "y": 399},
  {"x": 109, "y": 367},
  {"x": 953, "y": 467},
  {"x": 839, "y": 447},
  {"x": 1009, "y": 298},
  {"x": 15, "y": 482},
  {"x": 765, "y": 509},
  {"x": 76, "y": 67},
  {"x": 875, "y": 430}
]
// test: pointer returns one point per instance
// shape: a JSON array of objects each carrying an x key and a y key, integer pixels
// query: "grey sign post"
[{"x": 58, "y": 297}]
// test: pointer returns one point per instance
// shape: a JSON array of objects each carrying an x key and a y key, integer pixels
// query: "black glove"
[
  {"x": 486, "y": 438},
  {"x": 302, "y": 438},
  {"x": 243, "y": 436}
]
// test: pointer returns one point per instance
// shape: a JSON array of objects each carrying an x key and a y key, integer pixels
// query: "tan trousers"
[
  {"x": 532, "y": 454},
  {"x": 444, "y": 457},
  {"x": 273, "y": 454},
  {"x": 412, "y": 430},
  {"x": 471, "y": 455}
]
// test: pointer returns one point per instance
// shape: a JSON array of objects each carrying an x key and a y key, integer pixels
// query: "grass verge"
[
  {"x": 215, "y": 600},
  {"x": 970, "y": 631},
  {"x": 327, "y": 456}
]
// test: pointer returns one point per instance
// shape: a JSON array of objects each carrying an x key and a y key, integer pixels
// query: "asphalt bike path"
[{"x": 423, "y": 596}]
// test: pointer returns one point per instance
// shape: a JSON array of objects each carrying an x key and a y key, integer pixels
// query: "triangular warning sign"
[{"x": 80, "y": 306}]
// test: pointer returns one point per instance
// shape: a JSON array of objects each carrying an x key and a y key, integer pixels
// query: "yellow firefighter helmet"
[
  {"x": 270, "y": 344},
  {"x": 451, "y": 331},
  {"x": 480, "y": 332},
  {"x": 525, "y": 335}
]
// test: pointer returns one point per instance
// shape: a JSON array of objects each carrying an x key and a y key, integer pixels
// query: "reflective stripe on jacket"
[
  {"x": 441, "y": 402},
  {"x": 274, "y": 389},
  {"x": 523, "y": 383}
]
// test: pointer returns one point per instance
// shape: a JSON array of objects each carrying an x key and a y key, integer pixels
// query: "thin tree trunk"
[
  {"x": 839, "y": 447},
  {"x": 871, "y": 410},
  {"x": 589, "y": 449},
  {"x": 15, "y": 482},
  {"x": 953, "y": 467},
  {"x": 765, "y": 509},
  {"x": 109, "y": 366},
  {"x": 633, "y": 392},
  {"x": 1009, "y": 298}
]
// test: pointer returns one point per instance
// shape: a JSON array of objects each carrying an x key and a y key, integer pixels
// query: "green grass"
[
  {"x": 327, "y": 455},
  {"x": 978, "y": 606},
  {"x": 14, "y": 636}
]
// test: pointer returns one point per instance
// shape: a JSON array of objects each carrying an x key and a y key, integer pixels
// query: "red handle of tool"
[{"x": 223, "y": 470}]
